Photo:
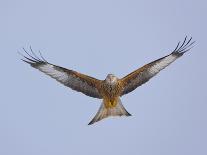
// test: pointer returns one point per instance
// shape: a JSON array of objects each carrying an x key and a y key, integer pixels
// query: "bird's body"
[{"x": 112, "y": 88}]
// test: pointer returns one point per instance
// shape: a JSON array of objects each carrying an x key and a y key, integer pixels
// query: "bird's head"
[{"x": 111, "y": 79}]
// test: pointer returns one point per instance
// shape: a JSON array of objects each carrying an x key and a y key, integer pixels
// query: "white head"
[{"x": 112, "y": 79}]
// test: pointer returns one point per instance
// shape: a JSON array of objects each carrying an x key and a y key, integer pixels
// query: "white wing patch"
[
  {"x": 162, "y": 64},
  {"x": 51, "y": 71}
]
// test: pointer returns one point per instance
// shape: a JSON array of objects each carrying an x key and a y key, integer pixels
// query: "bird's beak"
[{"x": 111, "y": 79}]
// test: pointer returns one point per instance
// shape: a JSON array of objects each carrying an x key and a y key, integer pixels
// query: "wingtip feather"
[{"x": 184, "y": 47}]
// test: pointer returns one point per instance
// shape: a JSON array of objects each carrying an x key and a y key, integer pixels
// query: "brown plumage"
[{"x": 110, "y": 89}]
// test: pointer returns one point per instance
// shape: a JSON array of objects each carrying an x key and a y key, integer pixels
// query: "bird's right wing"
[
  {"x": 145, "y": 73},
  {"x": 76, "y": 81}
]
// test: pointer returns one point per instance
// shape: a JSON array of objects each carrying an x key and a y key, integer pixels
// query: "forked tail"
[{"x": 104, "y": 112}]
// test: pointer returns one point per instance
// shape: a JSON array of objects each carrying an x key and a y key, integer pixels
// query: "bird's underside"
[{"x": 110, "y": 89}]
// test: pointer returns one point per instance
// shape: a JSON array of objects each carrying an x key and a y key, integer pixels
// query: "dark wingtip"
[
  {"x": 184, "y": 47},
  {"x": 90, "y": 123},
  {"x": 31, "y": 57},
  {"x": 128, "y": 114},
  {"x": 26, "y": 61}
]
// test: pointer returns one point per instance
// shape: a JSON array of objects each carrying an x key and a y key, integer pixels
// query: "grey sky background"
[{"x": 39, "y": 116}]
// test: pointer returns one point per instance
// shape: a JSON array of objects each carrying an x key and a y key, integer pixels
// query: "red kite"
[{"x": 112, "y": 88}]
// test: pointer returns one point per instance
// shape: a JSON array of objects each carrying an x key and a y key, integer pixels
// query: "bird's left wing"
[
  {"x": 76, "y": 81},
  {"x": 143, "y": 74}
]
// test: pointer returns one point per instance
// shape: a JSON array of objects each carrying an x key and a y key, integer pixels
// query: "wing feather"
[
  {"x": 145, "y": 73},
  {"x": 76, "y": 81}
]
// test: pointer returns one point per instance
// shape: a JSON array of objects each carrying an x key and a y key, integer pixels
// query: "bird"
[{"x": 112, "y": 88}]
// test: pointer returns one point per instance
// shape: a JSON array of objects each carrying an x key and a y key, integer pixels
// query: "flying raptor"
[{"x": 112, "y": 88}]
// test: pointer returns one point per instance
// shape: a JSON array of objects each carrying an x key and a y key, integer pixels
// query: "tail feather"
[{"x": 104, "y": 112}]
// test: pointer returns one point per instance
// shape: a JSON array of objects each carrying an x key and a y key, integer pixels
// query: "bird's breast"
[{"x": 110, "y": 91}]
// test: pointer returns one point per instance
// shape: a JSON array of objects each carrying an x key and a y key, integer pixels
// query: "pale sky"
[{"x": 39, "y": 116}]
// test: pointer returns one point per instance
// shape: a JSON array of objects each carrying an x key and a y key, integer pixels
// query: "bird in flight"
[{"x": 112, "y": 88}]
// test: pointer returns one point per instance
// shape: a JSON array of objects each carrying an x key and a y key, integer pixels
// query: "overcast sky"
[{"x": 39, "y": 116}]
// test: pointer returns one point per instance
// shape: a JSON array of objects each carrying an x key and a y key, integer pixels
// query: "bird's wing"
[
  {"x": 143, "y": 74},
  {"x": 76, "y": 81}
]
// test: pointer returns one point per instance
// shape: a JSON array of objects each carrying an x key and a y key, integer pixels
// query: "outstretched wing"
[
  {"x": 76, "y": 81},
  {"x": 143, "y": 74}
]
